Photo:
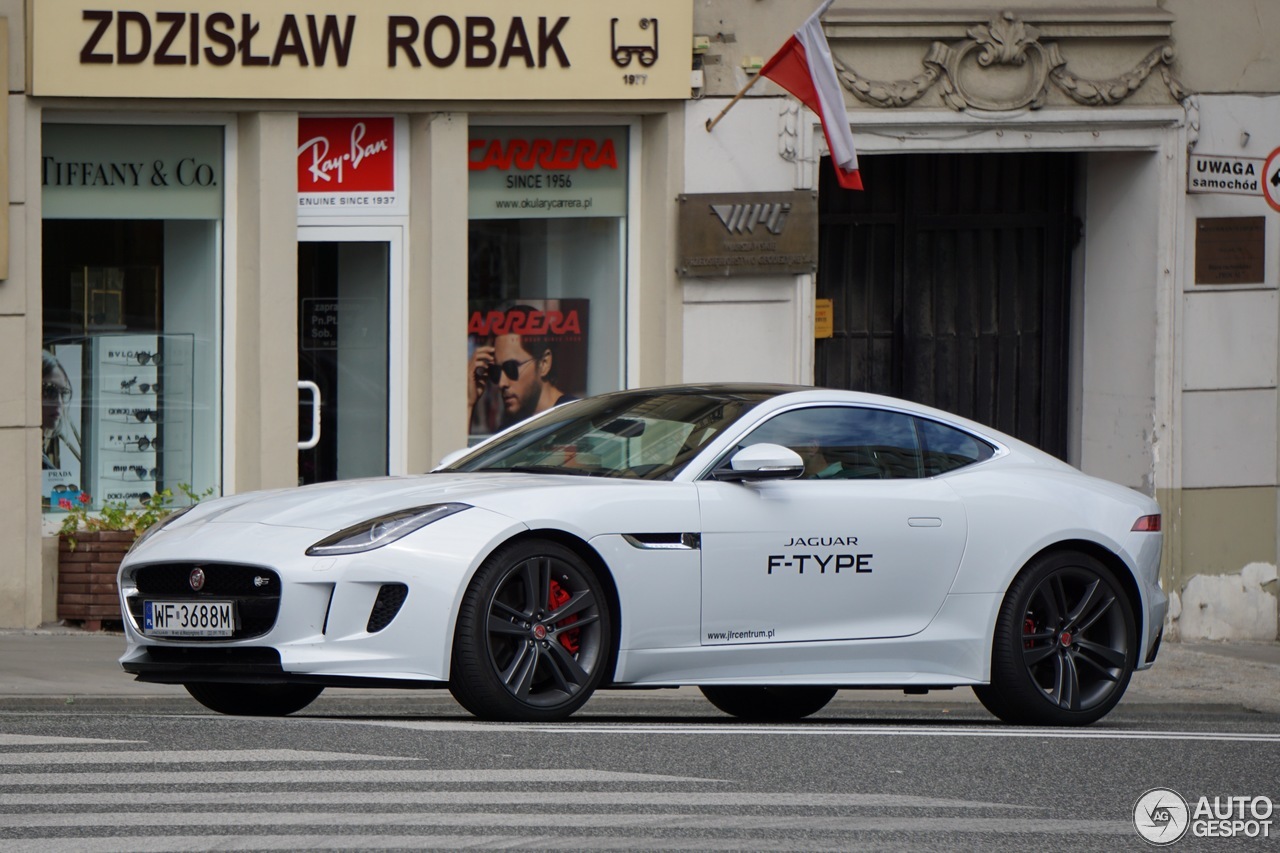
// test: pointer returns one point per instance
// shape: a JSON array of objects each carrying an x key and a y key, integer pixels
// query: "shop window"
[
  {"x": 131, "y": 284},
  {"x": 547, "y": 269}
]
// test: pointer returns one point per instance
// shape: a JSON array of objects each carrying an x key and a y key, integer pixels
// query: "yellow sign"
[
  {"x": 364, "y": 50},
  {"x": 823, "y": 318}
]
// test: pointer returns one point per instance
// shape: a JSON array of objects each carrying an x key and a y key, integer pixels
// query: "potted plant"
[{"x": 91, "y": 546}]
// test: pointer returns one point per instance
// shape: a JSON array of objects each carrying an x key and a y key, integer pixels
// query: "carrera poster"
[{"x": 524, "y": 356}]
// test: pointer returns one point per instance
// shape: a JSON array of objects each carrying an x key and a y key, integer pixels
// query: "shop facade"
[
  {"x": 401, "y": 233},
  {"x": 262, "y": 249},
  {"x": 1064, "y": 234}
]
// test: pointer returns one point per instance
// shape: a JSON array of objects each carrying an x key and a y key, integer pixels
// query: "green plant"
[{"x": 118, "y": 515}]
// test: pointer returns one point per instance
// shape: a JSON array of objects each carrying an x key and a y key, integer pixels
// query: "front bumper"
[{"x": 335, "y": 623}]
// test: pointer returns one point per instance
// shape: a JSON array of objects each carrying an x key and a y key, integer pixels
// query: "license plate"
[{"x": 188, "y": 618}]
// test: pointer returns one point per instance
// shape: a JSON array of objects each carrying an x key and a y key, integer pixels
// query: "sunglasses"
[
  {"x": 144, "y": 414},
  {"x": 148, "y": 358},
  {"x": 51, "y": 393},
  {"x": 61, "y": 489},
  {"x": 145, "y": 443},
  {"x": 142, "y": 472},
  {"x": 511, "y": 367},
  {"x": 128, "y": 385}
]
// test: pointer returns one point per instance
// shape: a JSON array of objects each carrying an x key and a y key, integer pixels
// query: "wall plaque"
[
  {"x": 1230, "y": 250},
  {"x": 728, "y": 234}
]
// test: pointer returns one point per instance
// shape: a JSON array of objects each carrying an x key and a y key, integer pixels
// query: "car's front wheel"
[
  {"x": 1064, "y": 645},
  {"x": 533, "y": 635},
  {"x": 769, "y": 704},
  {"x": 254, "y": 700}
]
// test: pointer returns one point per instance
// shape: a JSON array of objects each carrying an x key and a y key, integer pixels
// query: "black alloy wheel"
[
  {"x": 1065, "y": 644},
  {"x": 254, "y": 700},
  {"x": 769, "y": 704},
  {"x": 534, "y": 635}
]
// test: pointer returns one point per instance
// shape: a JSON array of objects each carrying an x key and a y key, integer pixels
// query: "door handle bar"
[{"x": 307, "y": 385}]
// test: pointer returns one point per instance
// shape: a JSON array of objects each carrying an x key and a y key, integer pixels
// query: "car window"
[
  {"x": 846, "y": 442},
  {"x": 947, "y": 448},
  {"x": 645, "y": 434}
]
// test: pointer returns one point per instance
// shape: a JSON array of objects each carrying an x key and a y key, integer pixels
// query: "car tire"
[
  {"x": 1064, "y": 645},
  {"x": 534, "y": 635},
  {"x": 769, "y": 704},
  {"x": 254, "y": 700}
]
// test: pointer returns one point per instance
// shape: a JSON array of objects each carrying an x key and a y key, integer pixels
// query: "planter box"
[{"x": 87, "y": 590}]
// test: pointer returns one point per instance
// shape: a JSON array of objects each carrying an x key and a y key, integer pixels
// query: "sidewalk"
[{"x": 68, "y": 662}]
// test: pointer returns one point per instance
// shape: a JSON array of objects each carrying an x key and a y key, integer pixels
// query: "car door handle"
[{"x": 924, "y": 521}]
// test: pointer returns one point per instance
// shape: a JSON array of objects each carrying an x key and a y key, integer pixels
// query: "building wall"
[
  {"x": 1224, "y": 545},
  {"x": 1174, "y": 384},
  {"x": 21, "y": 580}
]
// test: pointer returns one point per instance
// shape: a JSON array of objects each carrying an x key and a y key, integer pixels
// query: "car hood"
[{"x": 334, "y": 506}]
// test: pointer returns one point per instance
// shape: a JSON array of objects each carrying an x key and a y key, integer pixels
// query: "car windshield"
[{"x": 648, "y": 435}]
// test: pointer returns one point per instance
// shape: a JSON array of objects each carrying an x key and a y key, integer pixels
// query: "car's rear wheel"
[
  {"x": 1064, "y": 646},
  {"x": 533, "y": 635},
  {"x": 773, "y": 704},
  {"x": 254, "y": 700}
]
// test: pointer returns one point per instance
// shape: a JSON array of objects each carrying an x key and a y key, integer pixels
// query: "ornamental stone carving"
[{"x": 1013, "y": 46}]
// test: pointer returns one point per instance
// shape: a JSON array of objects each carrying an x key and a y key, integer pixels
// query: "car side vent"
[{"x": 390, "y": 599}]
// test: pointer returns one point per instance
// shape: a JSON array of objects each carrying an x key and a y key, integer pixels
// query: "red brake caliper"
[
  {"x": 1028, "y": 627},
  {"x": 559, "y": 597}
]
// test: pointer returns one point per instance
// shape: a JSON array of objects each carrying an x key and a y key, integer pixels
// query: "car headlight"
[
  {"x": 382, "y": 530},
  {"x": 160, "y": 525}
]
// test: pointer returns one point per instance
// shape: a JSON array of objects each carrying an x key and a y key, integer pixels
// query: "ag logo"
[
  {"x": 743, "y": 218},
  {"x": 1161, "y": 816}
]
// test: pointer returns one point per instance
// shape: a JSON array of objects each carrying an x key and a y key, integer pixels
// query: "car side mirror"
[{"x": 761, "y": 462}]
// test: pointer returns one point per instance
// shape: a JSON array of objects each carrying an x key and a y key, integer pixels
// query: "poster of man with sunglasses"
[{"x": 524, "y": 358}]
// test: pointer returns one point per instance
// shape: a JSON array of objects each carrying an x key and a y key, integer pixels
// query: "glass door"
[{"x": 348, "y": 352}]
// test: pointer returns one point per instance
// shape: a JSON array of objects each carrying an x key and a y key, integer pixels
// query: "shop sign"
[
  {"x": 728, "y": 234},
  {"x": 344, "y": 49},
  {"x": 97, "y": 171},
  {"x": 1209, "y": 173},
  {"x": 352, "y": 166},
  {"x": 528, "y": 172},
  {"x": 824, "y": 318}
]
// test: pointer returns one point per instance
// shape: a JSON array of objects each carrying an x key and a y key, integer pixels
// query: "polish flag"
[{"x": 803, "y": 67}]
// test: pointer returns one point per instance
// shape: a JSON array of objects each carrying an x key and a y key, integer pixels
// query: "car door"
[{"x": 863, "y": 544}]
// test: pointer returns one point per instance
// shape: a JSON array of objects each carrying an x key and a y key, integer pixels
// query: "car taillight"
[{"x": 1147, "y": 524}]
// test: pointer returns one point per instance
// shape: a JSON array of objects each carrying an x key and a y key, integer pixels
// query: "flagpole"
[{"x": 712, "y": 122}]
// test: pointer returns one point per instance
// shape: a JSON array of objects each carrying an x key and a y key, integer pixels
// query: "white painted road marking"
[
  {"x": 813, "y": 730},
  {"x": 181, "y": 756},
  {"x": 713, "y": 799},
  {"x": 348, "y": 776}
]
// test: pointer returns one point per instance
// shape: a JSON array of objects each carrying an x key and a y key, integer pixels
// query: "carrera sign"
[
  {"x": 547, "y": 172},
  {"x": 551, "y": 154},
  {"x": 348, "y": 166}
]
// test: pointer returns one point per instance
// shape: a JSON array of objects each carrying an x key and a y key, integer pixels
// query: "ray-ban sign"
[{"x": 728, "y": 234}]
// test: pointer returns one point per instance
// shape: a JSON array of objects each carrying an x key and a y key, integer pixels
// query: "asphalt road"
[{"x": 114, "y": 765}]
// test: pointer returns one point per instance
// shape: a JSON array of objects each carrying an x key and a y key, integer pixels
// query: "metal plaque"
[
  {"x": 730, "y": 234},
  {"x": 1230, "y": 250}
]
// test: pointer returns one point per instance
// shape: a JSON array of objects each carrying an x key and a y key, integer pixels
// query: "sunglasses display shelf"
[{"x": 141, "y": 423}]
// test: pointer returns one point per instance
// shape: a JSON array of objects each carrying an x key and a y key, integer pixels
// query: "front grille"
[
  {"x": 254, "y": 590},
  {"x": 390, "y": 599}
]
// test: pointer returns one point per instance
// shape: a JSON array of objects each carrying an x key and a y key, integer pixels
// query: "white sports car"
[{"x": 768, "y": 544}]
